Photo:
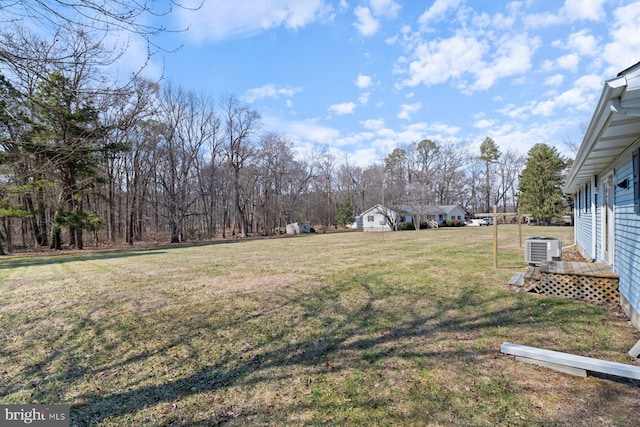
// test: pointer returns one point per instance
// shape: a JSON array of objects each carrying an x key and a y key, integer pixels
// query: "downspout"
[
  {"x": 594, "y": 216},
  {"x": 575, "y": 228}
]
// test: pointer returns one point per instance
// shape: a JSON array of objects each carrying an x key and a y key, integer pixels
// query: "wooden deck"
[
  {"x": 574, "y": 268},
  {"x": 585, "y": 281}
]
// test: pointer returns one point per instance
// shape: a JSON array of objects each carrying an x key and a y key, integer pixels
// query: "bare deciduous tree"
[{"x": 240, "y": 125}]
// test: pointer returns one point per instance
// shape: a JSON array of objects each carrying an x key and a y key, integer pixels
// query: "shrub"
[{"x": 406, "y": 226}]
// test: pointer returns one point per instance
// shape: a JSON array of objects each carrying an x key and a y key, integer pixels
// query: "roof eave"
[{"x": 601, "y": 117}]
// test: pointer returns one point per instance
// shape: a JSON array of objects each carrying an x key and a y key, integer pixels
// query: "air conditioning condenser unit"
[{"x": 542, "y": 249}]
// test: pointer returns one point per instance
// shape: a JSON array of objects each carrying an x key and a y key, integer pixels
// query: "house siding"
[
  {"x": 610, "y": 143},
  {"x": 456, "y": 213},
  {"x": 627, "y": 239},
  {"x": 584, "y": 235},
  {"x": 374, "y": 220},
  {"x": 584, "y": 224}
]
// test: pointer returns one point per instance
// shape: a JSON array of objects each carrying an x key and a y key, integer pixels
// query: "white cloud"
[
  {"x": 583, "y": 43},
  {"x": 547, "y": 65},
  {"x": 437, "y": 61},
  {"x": 364, "y": 157},
  {"x": 583, "y": 10},
  {"x": 343, "y": 108},
  {"x": 373, "y": 124},
  {"x": 515, "y": 112},
  {"x": 367, "y": 25},
  {"x": 304, "y": 133},
  {"x": 622, "y": 51},
  {"x": 444, "y": 128},
  {"x": 221, "y": 19},
  {"x": 385, "y": 8},
  {"x": 309, "y": 130},
  {"x": 568, "y": 62},
  {"x": 464, "y": 57},
  {"x": 513, "y": 57},
  {"x": 544, "y": 108},
  {"x": 438, "y": 10},
  {"x": 406, "y": 110},
  {"x": 581, "y": 97},
  {"x": 391, "y": 40},
  {"x": 484, "y": 123},
  {"x": 363, "y": 82},
  {"x": 269, "y": 91},
  {"x": 543, "y": 20},
  {"x": 555, "y": 80},
  {"x": 572, "y": 11},
  {"x": 364, "y": 98}
]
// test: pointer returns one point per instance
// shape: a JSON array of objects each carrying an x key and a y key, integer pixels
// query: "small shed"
[
  {"x": 293, "y": 228},
  {"x": 297, "y": 228}
]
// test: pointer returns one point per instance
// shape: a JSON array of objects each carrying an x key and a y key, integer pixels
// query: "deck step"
[{"x": 517, "y": 279}]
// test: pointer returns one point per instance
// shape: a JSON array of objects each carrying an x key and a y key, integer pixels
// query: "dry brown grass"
[{"x": 342, "y": 329}]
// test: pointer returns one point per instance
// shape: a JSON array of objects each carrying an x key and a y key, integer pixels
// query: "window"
[
  {"x": 587, "y": 198},
  {"x": 635, "y": 160},
  {"x": 370, "y": 218}
]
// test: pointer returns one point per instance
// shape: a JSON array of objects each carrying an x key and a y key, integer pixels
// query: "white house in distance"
[
  {"x": 605, "y": 183},
  {"x": 377, "y": 218},
  {"x": 439, "y": 214}
]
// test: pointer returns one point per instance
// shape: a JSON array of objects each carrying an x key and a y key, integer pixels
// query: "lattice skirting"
[{"x": 585, "y": 288}]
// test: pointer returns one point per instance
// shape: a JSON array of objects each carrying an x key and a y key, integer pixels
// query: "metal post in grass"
[
  {"x": 494, "y": 217},
  {"x": 495, "y": 236},
  {"x": 519, "y": 219}
]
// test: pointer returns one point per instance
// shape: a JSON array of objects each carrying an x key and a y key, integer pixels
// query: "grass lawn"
[{"x": 340, "y": 329}]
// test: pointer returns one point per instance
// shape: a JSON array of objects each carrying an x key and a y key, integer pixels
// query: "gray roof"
[{"x": 427, "y": 209}]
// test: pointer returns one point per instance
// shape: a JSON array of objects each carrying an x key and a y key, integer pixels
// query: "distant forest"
[{"x": 86, "y": 159}]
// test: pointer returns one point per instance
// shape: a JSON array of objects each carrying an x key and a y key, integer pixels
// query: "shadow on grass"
[
  {"x": 344, "y": 330},
  {"x": 62, "y": 258},
  {"x": 354, "y": 333},
  {"x": 89, "y": 254}
]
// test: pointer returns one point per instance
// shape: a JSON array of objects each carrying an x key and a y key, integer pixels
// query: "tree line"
[{"x": 85, "y": 157}]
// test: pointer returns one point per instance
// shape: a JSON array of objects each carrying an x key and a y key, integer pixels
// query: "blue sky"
[{"x": 362, "y": 77}]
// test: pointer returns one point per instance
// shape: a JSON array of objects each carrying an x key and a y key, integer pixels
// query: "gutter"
[{"x": 617, "y": 107}]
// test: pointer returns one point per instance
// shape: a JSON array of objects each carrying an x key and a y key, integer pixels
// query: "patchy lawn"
[{"x": 343, "y": 329}]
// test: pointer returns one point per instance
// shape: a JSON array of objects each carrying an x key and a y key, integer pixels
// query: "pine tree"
[
  {"x": 345, "y": 213},
  {"x": 541, "y": 183},
  {"x": 70, "y": 140},
  {"x": 489, "y": 154}
]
